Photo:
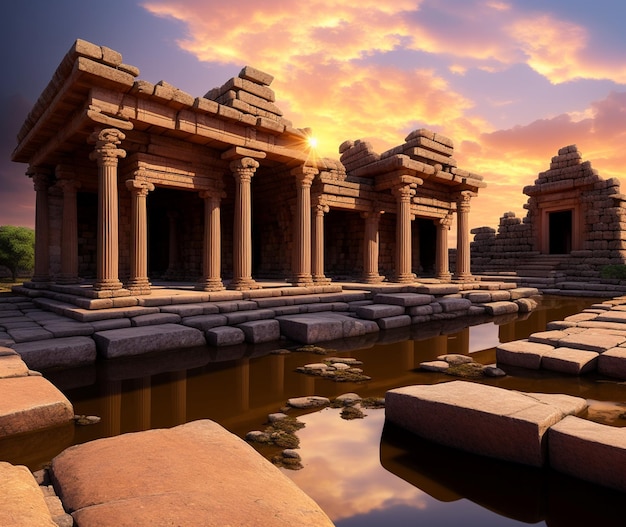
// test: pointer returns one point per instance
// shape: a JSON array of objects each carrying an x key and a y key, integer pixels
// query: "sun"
[{"x": 312, "y": 141}]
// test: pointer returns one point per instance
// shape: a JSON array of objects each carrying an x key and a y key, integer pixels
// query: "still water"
[{"x": 361, "y": 472}]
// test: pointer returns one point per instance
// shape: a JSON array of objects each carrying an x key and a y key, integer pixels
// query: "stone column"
[
  {"x": 106, "y": 154},
  {"x": 371, "y": 248},
  {"x": 243, "y": 170},
  {"x": 403, "y": 234},
  {"x": 69, "y": 232},
  {"x": 138, "y": 282},
  {"x": 212, "y": 248},
  {"x": 442, "y": 264},
  {"x": 301, "y": 270},
  {"x": 173, "y": 265},
  {"x": 317, "y": 257},
  {"x": 463, "y": 236},
  {"x": 42, "y": 238}
]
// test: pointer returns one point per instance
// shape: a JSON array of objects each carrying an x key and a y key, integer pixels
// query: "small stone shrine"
[
  {"x": 575, "y": 219},
  {"x": 137, "y": 181}
]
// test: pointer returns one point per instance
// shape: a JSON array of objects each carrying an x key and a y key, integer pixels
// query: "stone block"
[
  {"x": 112, "y": 323},
  {"x": 551, "y": 337},
  {"x": 597, "y": 341},
  {"x": 204, "y": 322},
  {"x": 29, "y": 334},
  {"x": 23, "y": 503},
  {"x": 590, "y": 451},
  {"x": 521, "y": 353},
  {"x": 311, "y": 328},
  {"x": 224, "y": 336},
  {"x": 612, "y": 363},
  {"x": 479, "y": 297},
  {"x": 376, "y": 311},
  {"x": 145, "y": 339},
  {"x": 155, "y": 319},
  {"x": 57, "y": 353},
  {"x": 12, "y": 366},
  {"x": 31, "y": 403},
  {"x": 69, "y": 328},
  {"x": 421, "y": 311},
  {"x": 190, "y": 310},
  {"x": 259, "y": 331},
  {"x": 570, "y": 361},
  {"x": 451, "y": 305},
  {"x": 500, "y": 308},
  {"x": 523, "y": 292},
  {"x": 403, "y": 299},
  {"x": 89, "y": 479},
  {"x": 437, "y": 289},
  {"x": 500, "y": 296},
  {"x": 485, "y": 420},
  {"x": 245, "y": 316},
  {"x": 355, "y": 327},
  {"x": 398, "y": 321}
]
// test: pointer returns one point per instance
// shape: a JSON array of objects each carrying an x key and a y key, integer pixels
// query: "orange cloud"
[{"x": 510, "y": 159}]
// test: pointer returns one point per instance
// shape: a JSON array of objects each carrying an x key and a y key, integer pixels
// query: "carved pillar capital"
[
  {"x": 463, "y": 200},
  {"x": 139, "y": 187},
  {"x": 40, "y": 177},
  {"x": 404, "y": 193},
  {"x": 243, "y": 169},
  {"x": 304, "y": 175},
  {"x": 106, "y": 141}
]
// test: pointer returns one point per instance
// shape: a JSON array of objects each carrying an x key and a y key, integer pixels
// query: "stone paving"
[
  {"x": 593, "y": 340},
  {"x": 54, "y": 328}
]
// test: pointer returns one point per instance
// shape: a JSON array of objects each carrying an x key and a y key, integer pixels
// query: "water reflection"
[{"x": 360, "y": 472}]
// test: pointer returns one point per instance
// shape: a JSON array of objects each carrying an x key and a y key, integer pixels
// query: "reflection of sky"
[
  {"x": 343, "y": 474},
  {"x": 483, "y": 337}
]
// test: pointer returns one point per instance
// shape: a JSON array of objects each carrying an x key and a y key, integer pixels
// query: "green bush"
[{"x": 617, "y": 272}]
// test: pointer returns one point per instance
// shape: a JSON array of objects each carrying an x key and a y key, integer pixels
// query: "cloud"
[
  {"x": 18, "y": 196},
  {"x": 510, "y": 159}
]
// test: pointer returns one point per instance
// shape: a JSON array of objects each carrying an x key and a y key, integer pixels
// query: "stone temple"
[{"x": 137, "y": 181}]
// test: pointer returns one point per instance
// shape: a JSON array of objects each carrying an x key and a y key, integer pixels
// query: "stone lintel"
[{"x": 239, "y": 151}]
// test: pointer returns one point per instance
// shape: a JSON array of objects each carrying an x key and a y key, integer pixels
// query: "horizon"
[{"x": 510, "y": 82}]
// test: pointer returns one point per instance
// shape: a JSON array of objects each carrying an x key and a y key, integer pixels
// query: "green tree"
[{"x": 17, "y": 249}]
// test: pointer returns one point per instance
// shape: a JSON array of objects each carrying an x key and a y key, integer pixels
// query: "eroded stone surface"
[
  {"x": 482, "y": 419},
  {"x": 225, "y": 479}
]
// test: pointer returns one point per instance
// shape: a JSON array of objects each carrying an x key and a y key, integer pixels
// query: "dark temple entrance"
[{"x": 560, "y": 232}]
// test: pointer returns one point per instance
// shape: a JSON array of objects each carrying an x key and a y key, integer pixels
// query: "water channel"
[{"x": 361, "y": 472}]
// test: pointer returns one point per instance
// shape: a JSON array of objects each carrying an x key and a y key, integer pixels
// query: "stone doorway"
[
  {"x": 560, "y": 232},
  {"x": 423, "y": 246}
]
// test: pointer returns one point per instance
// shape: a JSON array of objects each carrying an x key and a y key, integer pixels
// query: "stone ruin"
[{"x": 575, "y": 225}]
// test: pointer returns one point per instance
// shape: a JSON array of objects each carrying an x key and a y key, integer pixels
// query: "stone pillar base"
[
  {"x": 444, "y": 276},
  {"x": 107, "y": 285},
  {"x": 320, "y": 280},
  {"x": 302, "y": 280},
  {"x": 139, "y": 287},
  {"x": 243, "y": 284},
  {"x": 372, "y": 279},
  {"x": 465, "y": 277},
  {"x": 209, "y": 285},
  {"x": 405, "y": 278},
  {"x": 68, "y": 279}
]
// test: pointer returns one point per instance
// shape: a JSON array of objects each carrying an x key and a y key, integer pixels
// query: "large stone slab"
[
  {"x": 501, "y": 308},
  {"x": 482, "y": 419},
  {"x": 403, "y": 299},
  {"x": 31, "y": 403},
  {"x": 191, "y": 475},
  {"x": 224, "y": 336},
  {"x": 146, "y": 339},
  {"x": 593, "y": 340},
  {"x": 259, "y": 331},
  {"x": 612, "y": 363},
  {"x": 590, "y": 451},
  {"x": 521, "y": 353},
  {"x": 23, "y": 503},
  {"x": 377, "y": 311},
  {"x": 11, "y": 364},
  {"x": 569, "y": 360},
  {"x": 57, "y": 353},
  {"x": 452, "y": 305},
  {"x": 312, "y": 328}
]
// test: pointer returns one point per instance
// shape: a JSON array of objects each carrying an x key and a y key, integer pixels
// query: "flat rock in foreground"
[
  {"x": 23, "y": 503},
  {"x": 145, "y": 339},
  {"x": 482, "y": 419},
  {"x": 31, "y": 403},
  {"x": 193, "y": 474}
]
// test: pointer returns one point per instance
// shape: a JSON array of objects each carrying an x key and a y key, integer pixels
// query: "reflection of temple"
[{"x": 135, "y": 180}]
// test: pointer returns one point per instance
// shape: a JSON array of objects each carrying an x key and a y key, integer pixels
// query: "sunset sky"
[{"x": 509, "y": 81}]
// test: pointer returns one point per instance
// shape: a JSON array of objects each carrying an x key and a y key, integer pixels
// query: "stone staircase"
[{"x": 541, "y": 271}]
